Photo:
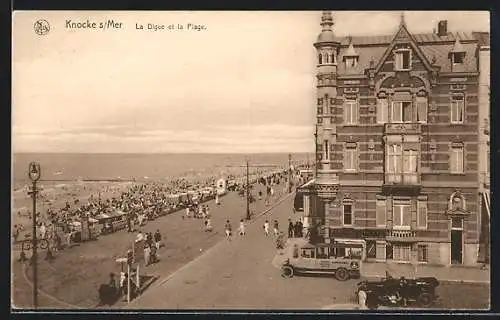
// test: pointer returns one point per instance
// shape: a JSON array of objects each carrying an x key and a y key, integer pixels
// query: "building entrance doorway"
[{"x": 456, "y": 246}]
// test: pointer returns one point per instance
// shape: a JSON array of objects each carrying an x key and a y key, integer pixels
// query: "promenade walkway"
[{"x": 75, "y": 275}]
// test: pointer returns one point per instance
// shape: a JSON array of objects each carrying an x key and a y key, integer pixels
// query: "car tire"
[
  {"x": 425, "y": 299},
  {"x": 341, "y": 274},
  {"x": 287, "y": 272}
]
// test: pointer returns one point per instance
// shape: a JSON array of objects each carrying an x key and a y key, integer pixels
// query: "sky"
[{"x": 246, "y": 83}]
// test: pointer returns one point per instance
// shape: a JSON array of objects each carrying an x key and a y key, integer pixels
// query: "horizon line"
[{"x": 187, "y": 152}]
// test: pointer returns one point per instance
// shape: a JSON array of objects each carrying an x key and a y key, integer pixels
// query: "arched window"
[
  {"x": 332, "y": 59},
  {"x": 457, "y": 202},
  {"x": 320, "y": 58},
  {"x": 326, "y": 58}
]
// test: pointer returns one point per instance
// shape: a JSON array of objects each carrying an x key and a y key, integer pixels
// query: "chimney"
[{"x": 442, "y": 28}]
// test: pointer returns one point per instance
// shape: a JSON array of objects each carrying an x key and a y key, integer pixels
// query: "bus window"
[
  {"x": 321, "y": 254},
  {"x": 308, "y": 253}
]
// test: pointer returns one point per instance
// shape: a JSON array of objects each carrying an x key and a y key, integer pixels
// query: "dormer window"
[
  {"x": 457, "y": 53},
  {"x": 458, "y": 57},
  {"x": 402, "y": 60},
  {"x": 351, "y": 57},
  {"x": 351, "y": 62}
]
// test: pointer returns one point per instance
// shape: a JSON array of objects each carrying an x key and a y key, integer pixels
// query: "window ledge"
[
  {"x": 458, "y": 173},
  {"x": 457, "y": 123},
  {"x": 399, "y": 262},
  {"x": 351, "y": 171}
]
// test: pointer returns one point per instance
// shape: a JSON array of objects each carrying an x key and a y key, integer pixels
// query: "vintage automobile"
[
  {"x": 399, "y": 292},
  {"x": 333, "y": 259}
]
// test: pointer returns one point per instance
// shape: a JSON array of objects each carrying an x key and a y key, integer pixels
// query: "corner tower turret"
[{"x": 327, "y": 51}]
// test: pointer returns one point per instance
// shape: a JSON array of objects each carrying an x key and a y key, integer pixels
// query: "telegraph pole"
[
  {"x": 34, "y": 175},
  {"x": 248, "y": 193},
  {"x": 289, "y": 173}
]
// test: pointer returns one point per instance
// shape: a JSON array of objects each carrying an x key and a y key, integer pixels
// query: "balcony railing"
[
  {"x": 402, "y": 233},
  {"x": 402, "y": 178},
  {"x": 403, "y": 128}
]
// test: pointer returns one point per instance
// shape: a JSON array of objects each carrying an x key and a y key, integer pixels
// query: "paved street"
[{"x": 239, "y": 274}]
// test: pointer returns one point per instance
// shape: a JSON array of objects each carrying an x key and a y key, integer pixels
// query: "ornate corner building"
[{"x": 402, "y": 144}]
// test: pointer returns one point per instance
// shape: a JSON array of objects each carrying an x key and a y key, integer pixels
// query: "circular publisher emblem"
[{"x": 42, "y": 27}]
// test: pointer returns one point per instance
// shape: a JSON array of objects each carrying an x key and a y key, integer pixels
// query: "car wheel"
[
  {"x": 341, "y": 274},
  {"x": 425, "y": 299},
  {"x": 287, "y": 272}
]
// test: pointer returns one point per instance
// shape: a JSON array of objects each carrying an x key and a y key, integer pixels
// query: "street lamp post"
[
  {"x": 248, "y": 194},
  {"x": 289, "y": 173},
  {"x": 34, "y": 175}
]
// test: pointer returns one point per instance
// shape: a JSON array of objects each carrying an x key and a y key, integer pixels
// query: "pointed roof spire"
[
  {"x": 327, "y": 21},
  {"x": 350, "y": 50},
  {"x": 458, "y": 47},
  {"x": 402, "y": 21}
]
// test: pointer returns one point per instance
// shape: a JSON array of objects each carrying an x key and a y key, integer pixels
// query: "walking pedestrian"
[
  {"x": 228, "y": 230},
  {"x": 147, "y": 254},
  {"x": 290, "y": 228},
  {"x": 242, "y": 227},
  {"x": 157, "y": 238},
  {"x": 266, "y": 228},
  {"x": 275, "y": 228},
  {"x": 208, "y": 225}
]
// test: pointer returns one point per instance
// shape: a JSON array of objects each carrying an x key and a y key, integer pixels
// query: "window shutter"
[
  {"x": 356, "y": 159},
  {"x": 422, "y": 110},
  {"x": 355, "y": 112},
  {"x": 397, "y": 215},
  {"x": 406, "y": 216},
  {"x": 347, "y": 113},
  {"x": 390, "y": 213},
  {"x": 346, "y": 159},
  {"x": 382, "y": 111},
  {"x": 381, "y": 213},
  {"x": 460, "y": 160},
  {"x": 422, "y": 214},
  {"x": 380, "y": 114}
]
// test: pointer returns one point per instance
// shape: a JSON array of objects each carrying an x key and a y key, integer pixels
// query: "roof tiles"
[{"x": 431, "y": 45}]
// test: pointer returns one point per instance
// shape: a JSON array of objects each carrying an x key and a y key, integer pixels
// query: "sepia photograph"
[{"x": 250, "y": 160}]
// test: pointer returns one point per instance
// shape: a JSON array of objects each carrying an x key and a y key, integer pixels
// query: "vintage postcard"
[{"x": 284, "y": 160}]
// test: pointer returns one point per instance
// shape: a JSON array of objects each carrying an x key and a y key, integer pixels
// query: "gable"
[
  {"x": 403, "y": 40},
  {"x": 417, "y": 63}
]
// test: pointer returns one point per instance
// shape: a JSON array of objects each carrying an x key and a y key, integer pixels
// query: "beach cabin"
[{"x": 221, "y": 187}]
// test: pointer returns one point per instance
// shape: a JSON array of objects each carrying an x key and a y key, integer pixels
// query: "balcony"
[
  {"x": 402, "y": 235},
  {"x": 403, "y": 128},
  {"x": 403, "y": 182}
]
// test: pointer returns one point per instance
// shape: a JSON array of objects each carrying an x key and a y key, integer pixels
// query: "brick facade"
[{"x": 422, "y": 203}]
